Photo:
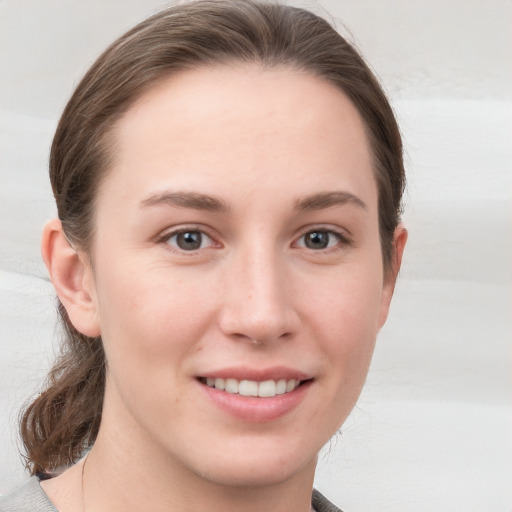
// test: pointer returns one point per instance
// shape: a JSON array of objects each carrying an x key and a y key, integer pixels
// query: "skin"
[{"x": 267, "y": 144}]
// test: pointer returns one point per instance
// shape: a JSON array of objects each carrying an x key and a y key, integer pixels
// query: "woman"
[{"x": 228, "y": 178}]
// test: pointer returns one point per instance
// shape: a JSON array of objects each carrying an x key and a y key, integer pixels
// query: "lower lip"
[{"x": 254, "y": 409}]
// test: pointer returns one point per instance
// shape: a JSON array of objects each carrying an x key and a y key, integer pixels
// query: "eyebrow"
[
  {"x": 198, "y": 201},
  {"x": 327, "y": 199},
  {"x": 193, "y": 200}
]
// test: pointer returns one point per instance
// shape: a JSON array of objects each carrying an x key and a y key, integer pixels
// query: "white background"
[{"x": 433, "y": 428}]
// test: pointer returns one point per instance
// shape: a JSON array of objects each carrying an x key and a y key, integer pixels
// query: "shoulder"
[
  {"x": 322, "y": 504},
  {"x": 30, "y": 497}
]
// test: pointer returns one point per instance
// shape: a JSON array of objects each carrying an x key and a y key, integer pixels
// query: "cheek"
[
  {"x": 148, "y": 322},
  {"x": 348, "y": 315},
  {"x": 149, "y": 331}
]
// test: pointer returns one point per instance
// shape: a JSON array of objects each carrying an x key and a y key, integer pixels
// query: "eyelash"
[
  {"x": 167, "y": 237},
  {"x": 340, "y": 236}
]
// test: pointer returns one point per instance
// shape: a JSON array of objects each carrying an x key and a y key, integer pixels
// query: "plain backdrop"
[{"x": 432, "y": 429}]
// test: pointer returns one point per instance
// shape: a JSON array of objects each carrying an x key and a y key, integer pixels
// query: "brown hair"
[{"x": 64, "y": 419}]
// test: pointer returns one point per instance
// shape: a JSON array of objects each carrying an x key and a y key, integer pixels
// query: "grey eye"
[
  {"x": 320, "y": 239},
  {"x": 189, "y": 240}
]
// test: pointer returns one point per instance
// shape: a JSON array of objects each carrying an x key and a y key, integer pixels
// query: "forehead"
[{"x": 246, "y": 126}]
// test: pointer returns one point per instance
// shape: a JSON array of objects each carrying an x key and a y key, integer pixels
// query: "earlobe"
[
  {"x": 399, "y": 241},
  {"x": 72, "y": 278}
]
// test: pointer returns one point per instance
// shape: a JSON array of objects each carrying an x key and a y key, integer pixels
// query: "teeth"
[
  {"x": 281, "y": 387},
  {"x": 248, "y": 388},
  {"x": 267, "y": 388},
  {"x": 231, "y": 386},
  {"x": 291, "y": 385}
]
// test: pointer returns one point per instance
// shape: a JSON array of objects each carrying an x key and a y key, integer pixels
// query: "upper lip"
[{"x": 257, "y": 374}]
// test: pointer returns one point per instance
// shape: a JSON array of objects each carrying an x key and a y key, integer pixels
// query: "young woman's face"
[{"x": 237, "y": 252}]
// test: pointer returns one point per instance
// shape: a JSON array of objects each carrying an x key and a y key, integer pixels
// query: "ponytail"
[{"x": 63, "y": 421}]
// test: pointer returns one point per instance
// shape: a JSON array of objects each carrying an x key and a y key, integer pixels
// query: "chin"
[
  {"x": 255, "y": 476},
  {"x": 262, "y": 468}
]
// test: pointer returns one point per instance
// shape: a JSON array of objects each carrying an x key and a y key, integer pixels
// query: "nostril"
[{"x": 262, "y": 339}]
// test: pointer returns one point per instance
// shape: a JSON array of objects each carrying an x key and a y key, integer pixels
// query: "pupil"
[
  {"x": 317, "y": 240},
  {"x": 189, "y": 240}
]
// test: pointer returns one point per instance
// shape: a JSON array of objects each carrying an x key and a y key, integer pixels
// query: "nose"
[{"x": 258, "y": 304}]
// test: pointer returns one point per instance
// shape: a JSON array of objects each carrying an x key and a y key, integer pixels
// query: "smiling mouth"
[{"x": 263, "y": 389}]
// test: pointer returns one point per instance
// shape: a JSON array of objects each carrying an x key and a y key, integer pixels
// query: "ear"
[
  {"x": 72, "y": 278},
  {"x": 399, "y": 240}
]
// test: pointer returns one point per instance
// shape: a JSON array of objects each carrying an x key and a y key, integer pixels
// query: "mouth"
[
  {"x": 262, "y": 389},
  {"x": 256, "y": 395}
]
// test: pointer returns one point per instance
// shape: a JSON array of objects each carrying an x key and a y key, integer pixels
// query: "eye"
[
  {"x": 189, "y": 240},
  {"x": 320, "y": 239}
]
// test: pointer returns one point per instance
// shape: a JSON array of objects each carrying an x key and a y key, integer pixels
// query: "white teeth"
[
  {"x": 281, "y": 387},
  {"x": 291, "y": 385},
  {"x": 265, "y": 389},
  {"x": 231, "y": 386},
  {"x": 248, "y": 388}
]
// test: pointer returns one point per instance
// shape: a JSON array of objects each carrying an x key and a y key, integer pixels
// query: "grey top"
[
  {"x": 321, "y": 504},
  {"x": 30, "y": 497}
]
